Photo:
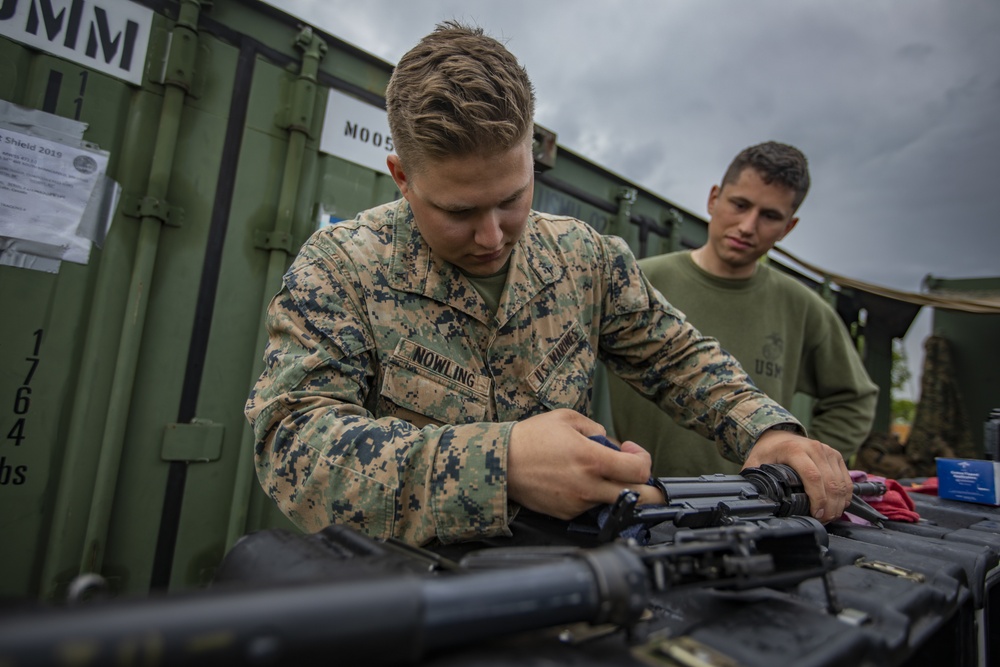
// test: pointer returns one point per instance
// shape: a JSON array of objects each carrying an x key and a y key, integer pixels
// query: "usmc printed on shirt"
[
  {"x": 773, "y": 352},
  {"x": 424, "y": 387}
]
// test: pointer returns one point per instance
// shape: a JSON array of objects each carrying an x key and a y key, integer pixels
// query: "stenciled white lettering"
[
  {"x": 108, "y": 35},
  {"x": 366, "y": 136}
]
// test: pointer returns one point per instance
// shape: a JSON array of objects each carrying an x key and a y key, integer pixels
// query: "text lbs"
[{"x": 12, "y": 475}]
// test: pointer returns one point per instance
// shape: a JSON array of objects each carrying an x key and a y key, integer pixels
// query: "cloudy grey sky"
[{"x": 896, "y": 105}]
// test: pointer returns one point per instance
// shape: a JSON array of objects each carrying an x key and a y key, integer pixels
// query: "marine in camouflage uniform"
[
  {"x": 429, "y": 365},
  {"x": 390, "y": 390}
]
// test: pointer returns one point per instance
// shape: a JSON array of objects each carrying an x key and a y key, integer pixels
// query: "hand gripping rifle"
[
  {"x": 339, "y": 595},
  {"x": 771, "y": 490}
]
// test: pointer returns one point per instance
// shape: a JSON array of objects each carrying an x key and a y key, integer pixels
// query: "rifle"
[
  {"x": 282, "y": 597},
  {"x": 770, "y": 490}
]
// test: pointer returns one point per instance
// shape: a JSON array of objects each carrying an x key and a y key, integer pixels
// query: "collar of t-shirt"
[{"x": 490, "y": 287}]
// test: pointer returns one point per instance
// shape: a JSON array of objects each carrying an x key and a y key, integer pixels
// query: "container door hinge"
[
  {"x": 889, "y": 568},
  {"x": 271, "y": 240},
  {"x": 197, "y": 442},
  {"x": 151, "y": 207}
]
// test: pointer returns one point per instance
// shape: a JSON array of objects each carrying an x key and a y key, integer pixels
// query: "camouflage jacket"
[{"x": 389, "y": 390}]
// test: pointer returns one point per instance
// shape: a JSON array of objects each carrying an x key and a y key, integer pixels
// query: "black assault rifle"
[{"x": 771, "y": 490}]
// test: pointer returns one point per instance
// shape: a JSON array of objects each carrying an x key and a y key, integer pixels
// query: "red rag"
[{"x": 896, "y": 504}]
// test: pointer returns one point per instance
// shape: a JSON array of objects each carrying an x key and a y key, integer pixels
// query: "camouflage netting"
[
  {"x": 883, "y": 454},
  {"x": 940, "y": 427}
]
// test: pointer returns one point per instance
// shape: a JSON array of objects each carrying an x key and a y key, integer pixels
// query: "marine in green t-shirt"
[{"x": 785, "y": 336}]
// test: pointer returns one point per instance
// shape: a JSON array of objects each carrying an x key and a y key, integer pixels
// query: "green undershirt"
[{"x": 490, "y": 287}]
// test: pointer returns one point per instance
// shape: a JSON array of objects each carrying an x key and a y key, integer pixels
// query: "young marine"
[
  {"x": 429, "y": 364},
  {"x": 787, "y": 338}
]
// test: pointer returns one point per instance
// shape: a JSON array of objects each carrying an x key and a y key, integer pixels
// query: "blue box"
[{"x": 969, "y": 480}]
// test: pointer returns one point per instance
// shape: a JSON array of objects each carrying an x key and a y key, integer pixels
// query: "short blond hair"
[{"x": 458, "y": 92}]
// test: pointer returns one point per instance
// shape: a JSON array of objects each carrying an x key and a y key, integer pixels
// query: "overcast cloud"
[{"x": 896, "y": 105}]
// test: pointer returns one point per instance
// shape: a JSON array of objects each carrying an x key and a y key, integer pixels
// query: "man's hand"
[
  {"x": 553, "y": 466},
  {"x": 820, "y": 467}
]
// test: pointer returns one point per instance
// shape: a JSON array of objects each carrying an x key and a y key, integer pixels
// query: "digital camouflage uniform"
[{"x": 390, "y": 391}]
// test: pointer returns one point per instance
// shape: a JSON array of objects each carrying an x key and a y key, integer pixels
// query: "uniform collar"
[{"x": 414, "y": 268}]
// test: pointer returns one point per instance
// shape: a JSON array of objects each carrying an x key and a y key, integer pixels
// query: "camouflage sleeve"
[
  {"x": 323, "y": 457},
  {"x": 649, "y": 344}
]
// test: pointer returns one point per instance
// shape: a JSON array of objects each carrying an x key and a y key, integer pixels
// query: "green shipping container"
[{"x": 231, "y": 132}]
